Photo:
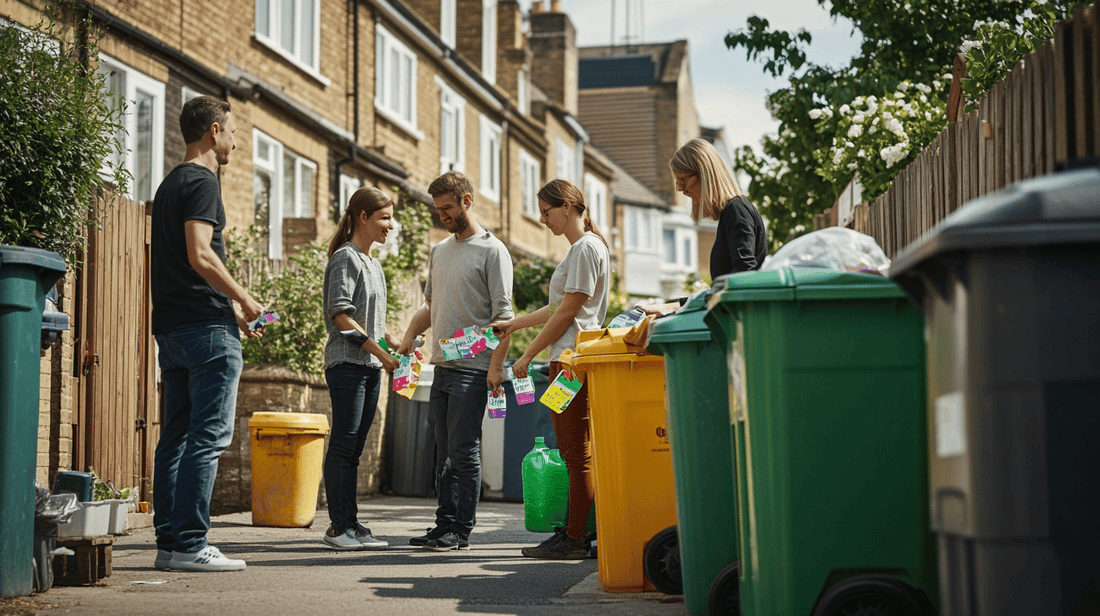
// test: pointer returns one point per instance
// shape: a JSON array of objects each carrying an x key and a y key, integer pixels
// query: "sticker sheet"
[
  {"x": 525, "y": 388},
  {"x": 561, "y": 391},
  {"x": 630, "y": 318},
  {"x": 498, "y": 406}
]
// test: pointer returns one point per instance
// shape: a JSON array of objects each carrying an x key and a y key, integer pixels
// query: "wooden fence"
[
  {"x": 115, "y": 421},
  {"x": 1042, "y": 116}
]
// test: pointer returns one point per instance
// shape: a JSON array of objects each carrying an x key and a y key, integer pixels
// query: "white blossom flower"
[
  {"x": 923, "y": 98},
  {"x": 899, "y": 95},
  {"x": 886, "y": 115},
  {"x": 928, "y": 116},
  {"x": 874, "y": 122},
  {"x": 894, "y": 126},
  {"x": 844, "y": 109},
  {"x": 861, "y": 153},
  {"x": 855, "y": 131},
  {"x": 968, "y": 45},
  {"x": 852, "y": 166},
  {"x": 858, "y": 118},
  {"x": 815, "y": 114}
]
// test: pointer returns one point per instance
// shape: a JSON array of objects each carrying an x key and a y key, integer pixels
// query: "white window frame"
[
  {"x": 530, "y": 174},
  {"x": 595, "y": 198},
  {"x": 448, "y": 11},
  {"x": 135, "y": 81},
  {"x": 273, "y": 166},
  {"x": 567, "y": 161},
  {"x": 669, "y": 259},
  {"x": 490, "y": 158},
  {"x": 386, "y": 86},
  {"x": 270, "y": 17},
  {"x": 187, "y": 94},
  {"x": 523, "y": 101},
  {"x": 646, "y": 236},
  {"x": 489, "y": 40},
  {"x": 348, "y": 186},
  {"x": 454, "y": 158}
]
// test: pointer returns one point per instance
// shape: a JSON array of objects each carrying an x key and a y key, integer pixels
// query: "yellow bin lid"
[
  {"x": 599, "y": 345},
  {"x": 290, "y": 423}
]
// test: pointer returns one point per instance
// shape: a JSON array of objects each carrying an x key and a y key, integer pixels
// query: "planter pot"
[{"x": 93, "y": 520}]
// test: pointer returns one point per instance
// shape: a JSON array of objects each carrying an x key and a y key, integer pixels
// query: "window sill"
[
  {"x": 298, "y": 64},
  {"x": 494, "y": 197},
  {"x": 399, "y": 122}
]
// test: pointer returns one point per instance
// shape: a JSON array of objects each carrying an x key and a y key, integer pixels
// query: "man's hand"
[
  {"x": 504, "y": 328},
  {"x": 494, "y": 380},
  {"x": 242, "y": 324},
  {"x": 251, "y": 308},
  {"x": 519, "y": 369}
]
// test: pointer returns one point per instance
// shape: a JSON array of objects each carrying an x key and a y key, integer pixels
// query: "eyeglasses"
[{"x": 681, "y": 182}]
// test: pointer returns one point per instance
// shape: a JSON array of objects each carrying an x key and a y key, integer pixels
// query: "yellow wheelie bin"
[
  {"x": 631, "y": 458},
  {"x": 288, "y": 451}
]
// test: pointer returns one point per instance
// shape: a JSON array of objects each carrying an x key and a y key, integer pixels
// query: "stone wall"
[{"x": 274, "y": 389}]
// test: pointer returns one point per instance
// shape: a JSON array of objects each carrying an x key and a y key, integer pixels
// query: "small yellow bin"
[
  {"x": 288, "y": 451},
  {"x": 631, "y": 458}
]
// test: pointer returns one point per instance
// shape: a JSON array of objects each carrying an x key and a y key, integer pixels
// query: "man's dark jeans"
[
  {"x": 457, "y": 407},
  {"x": 353, "y": 389},
  {"x": 200, "y": 366}
]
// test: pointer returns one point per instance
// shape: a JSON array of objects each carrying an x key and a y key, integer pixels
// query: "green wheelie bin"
[
  {"x": 26, "y": 274},
  {"x": 697, "y": 410},
  {"x": 827, "y": 390}
]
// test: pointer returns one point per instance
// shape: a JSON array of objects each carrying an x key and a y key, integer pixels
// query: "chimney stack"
[{"x": 555, "y": 65}]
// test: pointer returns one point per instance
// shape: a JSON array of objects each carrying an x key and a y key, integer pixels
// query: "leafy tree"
[{"x": 909, "y": 43}]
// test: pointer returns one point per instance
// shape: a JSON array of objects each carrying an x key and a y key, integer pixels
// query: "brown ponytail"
[
  {"x": 564, "y": 192},
  {"x": 367, "y": 199}
]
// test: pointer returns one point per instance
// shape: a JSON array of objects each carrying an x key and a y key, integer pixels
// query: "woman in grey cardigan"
[{"x": 355, "y": 317}]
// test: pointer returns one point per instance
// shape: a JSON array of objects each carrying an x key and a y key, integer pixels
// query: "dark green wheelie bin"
[
  {"x": 827, "y": 391},
  {"x": 697, "y": 408},
  {"x": 26, "y": 274}
]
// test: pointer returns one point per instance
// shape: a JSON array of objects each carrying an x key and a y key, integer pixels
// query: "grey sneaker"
[
  {"x": 367, "y": 540},
  {"x": 344, "y": 541},
  {"x": 448, "y": 542},
  {"x": 433, "y": 534},
  {"x": 206, "y": 559},
  {"x": 163, "y": 561}
]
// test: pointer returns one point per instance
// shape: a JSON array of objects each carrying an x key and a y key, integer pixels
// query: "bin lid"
[
  {"x": 684, "y": 325},
  {"x": 34, "y": 257},
  {"x": 593, "y": 344},
  {"x": 1062, "y": 208},
  {"x": 304, "y": 423},
  {"x": 800, "y": 284}
]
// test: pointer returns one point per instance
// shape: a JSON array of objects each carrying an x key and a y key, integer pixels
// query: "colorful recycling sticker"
[
  {"x": 561, "y": 391},
  {"x": 407, "y": 375},
  {"x": 498, "y": 406},
  {"x": 467, "y": 342},
  {"x": 525, "y": 387},
  {"x": 627, "y": 319},
  {"x": 265, "y": 318}
]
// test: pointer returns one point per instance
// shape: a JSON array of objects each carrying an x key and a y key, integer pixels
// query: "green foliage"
[
  {"x": 297, "y": 340},
  {"x": 530, "y": 291},
  {"x": 59, "y": 136},
  {"x": 996, "y": 46},
  {"x": 412, "y": 244},
  {"x": 296, "y": 290},
  {"x": 618, "y": 301},
  {"x": 798, "y": 172},
  {"x": 106, "y": 491}
]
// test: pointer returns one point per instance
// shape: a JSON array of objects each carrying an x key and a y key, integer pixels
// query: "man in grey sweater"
[{"x": 469, "y": 283}]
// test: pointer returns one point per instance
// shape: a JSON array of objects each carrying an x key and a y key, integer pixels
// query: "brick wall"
[
  {"x": 555, "y": 67},
  {"x": 56, "y": 395}
]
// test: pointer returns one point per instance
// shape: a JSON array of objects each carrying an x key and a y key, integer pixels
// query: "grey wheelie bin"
[{"x": 1010, "y": 290}]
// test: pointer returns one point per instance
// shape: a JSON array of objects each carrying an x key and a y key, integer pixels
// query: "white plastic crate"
[
  {"x": 93, "y": 520},
  {"x": 120, "y": 511}
]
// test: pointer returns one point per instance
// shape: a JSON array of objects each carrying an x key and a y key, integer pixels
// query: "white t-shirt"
[{"x": 585, "y": 269}]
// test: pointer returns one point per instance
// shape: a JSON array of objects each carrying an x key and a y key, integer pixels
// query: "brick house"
[{"x": 332, "y": 97}]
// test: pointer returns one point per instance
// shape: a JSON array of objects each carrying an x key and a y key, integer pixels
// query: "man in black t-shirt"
[{"x": 199, "y": 311}]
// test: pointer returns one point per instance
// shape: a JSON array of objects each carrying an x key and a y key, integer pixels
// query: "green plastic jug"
[{"x": 546, "y": 490}]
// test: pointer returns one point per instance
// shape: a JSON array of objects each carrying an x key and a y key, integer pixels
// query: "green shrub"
[{"x": 58, "y": 137}]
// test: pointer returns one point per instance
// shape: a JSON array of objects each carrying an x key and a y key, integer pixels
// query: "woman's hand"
[
  {"x": 389, "y": 362},
  {"x": 504, "y": 328},
  {"x": 519, "y": 369},
  {"x": 660, "y": 310}
]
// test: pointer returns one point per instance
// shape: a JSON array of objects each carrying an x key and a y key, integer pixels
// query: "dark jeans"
[
  {"x": 200, "y": 367},
  {"x": 457, "y": 407},
  {"x": 353, "y": 389},
  {"x": 571, "y": 429}
]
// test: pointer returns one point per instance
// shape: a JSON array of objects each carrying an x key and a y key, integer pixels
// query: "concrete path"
[{"x": 291, "y": 572}]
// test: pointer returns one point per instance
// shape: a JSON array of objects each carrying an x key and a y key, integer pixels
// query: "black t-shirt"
[
  {"x": 741, "y": 243},
  {"x": 180, "y": 295}
]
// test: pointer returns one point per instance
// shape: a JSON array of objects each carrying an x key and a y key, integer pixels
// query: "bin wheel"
[
  {"x": 661, "y": 562},
  {"x": 724, "y": 598},
  {"x": 873, "y": 595}
]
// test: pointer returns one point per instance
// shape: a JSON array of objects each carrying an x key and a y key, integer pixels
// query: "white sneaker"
[
  {"x": 345, "y": 541},
  {"x": 367, "y": 540},
  {"x": 163, "y": 561},
  {"x": 206, "y": 559}
]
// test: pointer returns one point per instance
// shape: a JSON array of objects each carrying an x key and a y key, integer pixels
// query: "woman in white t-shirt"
[{"x": 578, "y": 301}]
